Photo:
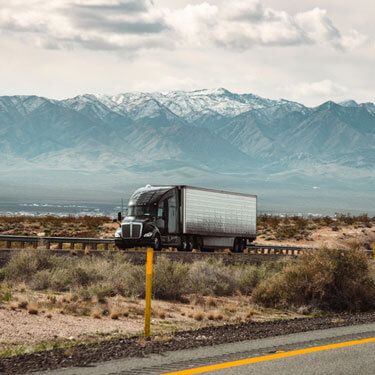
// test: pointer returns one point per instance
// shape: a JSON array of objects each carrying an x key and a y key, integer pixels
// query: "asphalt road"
[{"x": 345, "y": 350}]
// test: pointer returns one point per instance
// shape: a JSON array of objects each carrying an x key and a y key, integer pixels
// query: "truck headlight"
[
  {"x": 148, "y": 234},
  {"x": 118, "y": 233}
]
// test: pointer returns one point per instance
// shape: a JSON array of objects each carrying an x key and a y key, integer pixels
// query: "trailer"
[{"x": 188, "y": 218}]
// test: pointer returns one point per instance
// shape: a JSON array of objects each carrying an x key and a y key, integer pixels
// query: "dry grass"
[
  {"x": 99, "y": 278},
  {"x": 22, "y": 304},
  {"x": 96, "y": 313},
  {"x": 33, "y": 308},
  {"x": 76, "y": 226},
  {"x": 278, "y": 228},
  {"x": 199, "y": 316},
  {"x": 330, "y": 279}
]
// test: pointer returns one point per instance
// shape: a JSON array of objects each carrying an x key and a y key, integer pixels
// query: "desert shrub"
[
  {"x": 286, "y": 231},
  {"x": 100, "y": 291},
  {"x": 212, "y": 278},
  {"x": 41, "y": 280},
  {"x": 126, "y": 279},
  {"x": 170, "y": 278},
  {"x": 24, "y": 264},
  {"x": 330, "y": 279},
  {"x": 249, "y": 276}
]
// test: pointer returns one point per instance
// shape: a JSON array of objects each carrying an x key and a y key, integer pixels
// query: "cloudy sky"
[{"x": 304, "y": 50}]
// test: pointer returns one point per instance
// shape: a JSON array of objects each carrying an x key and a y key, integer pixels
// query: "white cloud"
[
  {"x": 140, "y": 24},
  {"x": 320, "y": 89}
]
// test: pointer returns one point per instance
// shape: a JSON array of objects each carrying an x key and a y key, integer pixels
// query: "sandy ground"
[
  {"x": 19, "y": 327},
  {"x": 327, "y": 237}
]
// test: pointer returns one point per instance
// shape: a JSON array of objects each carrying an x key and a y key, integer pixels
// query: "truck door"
[
  {"x": 167, "y": 215},
  {"x": 172, "y": 215}
]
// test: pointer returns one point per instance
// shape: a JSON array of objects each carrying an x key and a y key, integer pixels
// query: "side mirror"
[{"x": 119, "y": 216}]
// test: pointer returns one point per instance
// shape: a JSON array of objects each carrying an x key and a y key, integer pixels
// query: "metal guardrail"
[
  {"x": 92, "y": 243},
  {"x": 38, "y": 241}
]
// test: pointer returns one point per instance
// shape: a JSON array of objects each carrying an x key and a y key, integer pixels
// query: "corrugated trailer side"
[{"x": 218, "y": 213}]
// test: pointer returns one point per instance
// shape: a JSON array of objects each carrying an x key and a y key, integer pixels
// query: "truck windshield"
[{"x": 139, "y": 211}]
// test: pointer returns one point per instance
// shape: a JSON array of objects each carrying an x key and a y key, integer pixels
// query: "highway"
[{"x": 344, "y": 350}]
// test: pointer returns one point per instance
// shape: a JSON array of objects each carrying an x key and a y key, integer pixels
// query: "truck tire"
[
  {"x": 190, "y": 246},
  {"x": 157, "y": 243},
  {"x": 186, "y": 244},
  {"x": 198, "y": 243}
]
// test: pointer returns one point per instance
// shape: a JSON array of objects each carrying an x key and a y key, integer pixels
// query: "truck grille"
[
  {"x": 125, "y": 230},
  {"x": 136, "y": 230},
  {"x": 132, "y": 230}
]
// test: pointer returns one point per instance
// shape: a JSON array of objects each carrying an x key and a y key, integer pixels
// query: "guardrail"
[
  {"x": 46, "y": 242},
  {"x": 92, "y": 244},
  {"x": 108, "y": 243}
]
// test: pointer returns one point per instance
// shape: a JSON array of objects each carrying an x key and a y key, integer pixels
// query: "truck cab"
[{"x": 151, "y": 220}]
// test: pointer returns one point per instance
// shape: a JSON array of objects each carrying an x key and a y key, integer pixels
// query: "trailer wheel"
[
  {"x": 190, "y": 244},
  {"x": 237, "y": 245},
  {"x": 198, "y": 243}
]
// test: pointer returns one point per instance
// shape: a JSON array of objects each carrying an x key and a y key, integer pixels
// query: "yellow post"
[{"x": 150, "y": 254}]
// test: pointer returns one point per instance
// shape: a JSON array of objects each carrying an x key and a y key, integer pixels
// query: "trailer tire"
[
  {"x": 198, "y": 243},
  {"x": 237, "y": 245}
]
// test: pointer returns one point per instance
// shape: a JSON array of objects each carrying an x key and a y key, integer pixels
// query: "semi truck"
[{"x": 187, "y": 218}]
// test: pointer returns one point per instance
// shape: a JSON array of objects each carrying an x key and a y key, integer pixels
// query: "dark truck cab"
[
  {"x": 151, "y": 219},
  {"x": 187, "y": 217}
]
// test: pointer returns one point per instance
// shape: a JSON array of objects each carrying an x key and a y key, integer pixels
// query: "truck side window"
[{"x": 172, "y": 215}]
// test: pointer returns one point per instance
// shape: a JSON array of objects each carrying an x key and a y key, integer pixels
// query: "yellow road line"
[{"x": 249, "y": 361}]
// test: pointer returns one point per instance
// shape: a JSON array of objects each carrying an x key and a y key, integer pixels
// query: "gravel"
[{"x": 83, "y": 355}]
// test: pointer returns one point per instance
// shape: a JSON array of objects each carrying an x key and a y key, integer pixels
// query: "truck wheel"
[
  {"x": 186, "y": 244},
  {"x": 157, "y": 243},
  {"x": 198, "y": 243},
  {"x": 237, "y": 245},
  {"x": 190, "y": 244},
  {"x": 244, "y": 244}
]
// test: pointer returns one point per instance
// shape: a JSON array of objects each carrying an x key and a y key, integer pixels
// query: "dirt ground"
[
  {"x": 327, "y": 237},
  {"x": 43, "y": 326},
  {"x": 18, "y": 327}
]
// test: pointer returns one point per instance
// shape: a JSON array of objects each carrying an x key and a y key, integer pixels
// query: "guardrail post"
[
  {"x": 72, "y": 246},
  {"x": 48, "y": 245},
  {"x": 35, "y": 245},
  {"x": 373, "y": 251},
  {"x": 60, "y": 246},
  {"x": 106, "y": 247},
  {"x": 9, "y": 244},
  {"x": 149, "y": 261}
]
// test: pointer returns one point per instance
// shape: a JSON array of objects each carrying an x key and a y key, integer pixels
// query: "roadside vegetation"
[
  {"x": 49, "y": 298},
  {"x": 327, "y": 279},
  {"x": 269, "y": 227},
  {"x": 66, "y": 226},
  {"x": 275, "y": 228},
  {"x": 111, "y": 275}
]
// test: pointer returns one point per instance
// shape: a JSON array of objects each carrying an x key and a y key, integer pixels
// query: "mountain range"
[{"x": 109, "y": 144}]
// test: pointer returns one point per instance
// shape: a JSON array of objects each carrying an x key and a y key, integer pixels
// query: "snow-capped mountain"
[{"x": 189, "y": 136}]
